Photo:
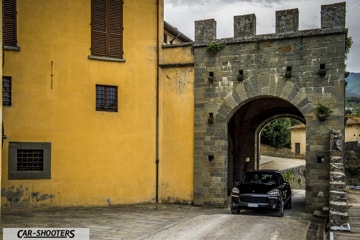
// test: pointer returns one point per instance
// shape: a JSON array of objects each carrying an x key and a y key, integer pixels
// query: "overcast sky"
[{"x": 183, "y": 13}]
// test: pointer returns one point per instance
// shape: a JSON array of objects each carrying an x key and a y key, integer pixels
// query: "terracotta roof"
[
  {"x": 352, "y": 120},
  {"x": 299, "y": 126}
]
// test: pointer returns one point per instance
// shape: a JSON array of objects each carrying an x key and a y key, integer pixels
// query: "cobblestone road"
[
  {"x": 116, "y": 222},
  {"x": 151, "y": 220}
]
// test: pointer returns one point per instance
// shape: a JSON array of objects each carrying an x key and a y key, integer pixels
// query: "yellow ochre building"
[{"x": 97, "y": 108}]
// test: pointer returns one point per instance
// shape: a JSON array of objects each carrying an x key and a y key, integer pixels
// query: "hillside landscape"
[
  {"x": 352, "y": 94},
  {"x": 353, "y": 85}
]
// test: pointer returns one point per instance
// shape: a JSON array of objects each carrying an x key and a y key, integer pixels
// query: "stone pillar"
[
  {"x": 244, "y": 26},
  {"x": 333, "y": 16},
  {"x": 287, "y": 20},
  {"x": 205, "y": 31},
  {"x": 338, "y": 197}
]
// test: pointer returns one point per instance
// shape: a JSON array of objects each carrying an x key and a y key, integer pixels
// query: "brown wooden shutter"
[
  {"x": 115, "y": 23},
  {"x": 98, "y": 28},
  {"x": 9, "y": 23},
  {"x": 107, "y": 25}
]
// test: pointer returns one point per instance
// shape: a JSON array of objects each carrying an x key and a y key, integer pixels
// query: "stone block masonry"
[
  {"x": 245, "y": 26},
  {"x": 287, "y": 21},
  {"x": 338, "y": 196},
  {"x": 253, "y": 79}
]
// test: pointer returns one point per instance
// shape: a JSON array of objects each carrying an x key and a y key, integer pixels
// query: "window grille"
[
  {"x": 30, "y": 160},
  {"x": 106, "y": 98},
  {"x": 6, "y": 91}
]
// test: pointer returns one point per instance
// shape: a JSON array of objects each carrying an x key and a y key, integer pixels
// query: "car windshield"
[{"x": 261, "y": 178}]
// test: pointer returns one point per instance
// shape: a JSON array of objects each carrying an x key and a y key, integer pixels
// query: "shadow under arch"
[
  {"x": 244, "y": 128},
  {"x": 222, "y": 147}
]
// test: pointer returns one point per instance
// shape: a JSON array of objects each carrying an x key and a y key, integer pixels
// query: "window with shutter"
[
  {"x": 107, "y": 28},
  {"x": 9, "y": 23}
]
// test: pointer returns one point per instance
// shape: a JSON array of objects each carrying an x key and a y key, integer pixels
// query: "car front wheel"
[
  {"x": 280, "y": 212},
  {"x": 234, "y": 211},
  {"x": 288, "y": 204}
]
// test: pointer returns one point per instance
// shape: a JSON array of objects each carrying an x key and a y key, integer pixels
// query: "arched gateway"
[{"x": 244, "y": 82}]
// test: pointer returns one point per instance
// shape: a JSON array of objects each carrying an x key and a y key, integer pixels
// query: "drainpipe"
[
  {"x": 176, "y": 37},
  {"x": 157, "y": 102}
]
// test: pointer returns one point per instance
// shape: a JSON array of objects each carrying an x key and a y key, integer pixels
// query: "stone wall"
[
  {"x": 268, "y": 150},
  {"x": 338, "y": 196},
  {"x": 352, "y": 163},
  {"x": 249, "y": 80},
  {"x": 295, "y": 176}
]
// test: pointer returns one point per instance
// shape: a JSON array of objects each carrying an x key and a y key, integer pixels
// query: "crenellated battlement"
[
  {"x": 243, "y": 82},
  {"x": 287, "y": 22}
]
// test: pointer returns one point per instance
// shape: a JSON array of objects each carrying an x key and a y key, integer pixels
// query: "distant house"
[
  {"x": 298, "y": 134},
  {"x": 352, "y": 129},
  {"x": 173, "y": 36}
]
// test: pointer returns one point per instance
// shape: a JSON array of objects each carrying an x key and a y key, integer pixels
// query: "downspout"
[
  {"x": 176, "y": 37},
  {"x": 157, "y": 103}
]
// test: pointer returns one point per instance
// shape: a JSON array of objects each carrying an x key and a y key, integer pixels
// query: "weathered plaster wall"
[
  {"x": 97, "y": 158},
  {"x": 352, "y": 133},
  {"x": 19, "y": 197},
  {"x": 176, "y": 123},
  {"x": 298, "y": 136}
]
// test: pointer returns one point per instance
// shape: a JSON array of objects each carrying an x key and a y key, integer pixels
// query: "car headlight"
[
  {"x": 274, "y": 191},
  {"x": 235, "y": 190}
]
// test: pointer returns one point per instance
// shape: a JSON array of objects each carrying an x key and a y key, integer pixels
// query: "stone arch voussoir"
[{"x": 289, "y": 92}]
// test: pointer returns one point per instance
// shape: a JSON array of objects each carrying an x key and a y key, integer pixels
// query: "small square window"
[
  {"x": 6, "y": 91},
  {"x": 106, "y": 98},
  {"x": 29, "y": 160}
]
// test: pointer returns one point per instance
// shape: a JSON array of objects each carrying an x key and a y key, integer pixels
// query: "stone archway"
[
  {"x": 289, "y": 72},
  {"x": 244, "y": 129},
  {"x": 237, "y": 121}
]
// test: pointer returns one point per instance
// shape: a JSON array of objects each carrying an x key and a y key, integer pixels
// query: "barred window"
[
  {"x": 29, "y": 160},
  {"x": 6, "y": 91},
  {"x": 106, "y": 98},
  {"x": 107, "y": 28}
]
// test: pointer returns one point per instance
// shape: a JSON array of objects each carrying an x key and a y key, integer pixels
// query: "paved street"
[
  {"x": 267, "y": 162},
  {"x": 354, "y": 217},
  {"x": 171, "y": 221},
  {"x": 247, "y": 225}
]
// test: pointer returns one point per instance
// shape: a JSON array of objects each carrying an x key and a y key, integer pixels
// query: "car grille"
[{"x": 251, "y": 199}]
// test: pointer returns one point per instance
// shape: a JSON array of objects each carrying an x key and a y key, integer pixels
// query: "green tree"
[
  {"x": 348, "y": 44},
  {"x": 352, "y": 105},
  {"x": 277, "y": 133}
]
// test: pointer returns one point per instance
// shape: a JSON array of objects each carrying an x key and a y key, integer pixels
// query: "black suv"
[{"x": 261, "y": 189}]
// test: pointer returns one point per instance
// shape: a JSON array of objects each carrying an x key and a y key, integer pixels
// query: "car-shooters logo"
[{"x": 46, "y": 233}]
